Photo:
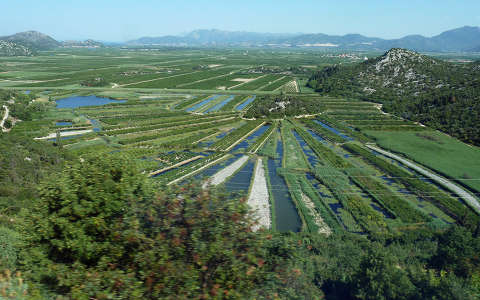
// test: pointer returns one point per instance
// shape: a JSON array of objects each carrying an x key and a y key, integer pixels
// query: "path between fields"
[
  {"x": 226, "y": 172},
  {"x": 244, "y": 137},
  {"x": 258, "y": 199},
  {"x": 467, "y": 197},
  {"x": 175, "y": 165},
  {"x": 160, "y": 78},
  {"x": 198, "y": 170},
  {"x": 64, "y": 133},
  {"x": 5, "y": 116},
  {"x": 272, "y": 82},
  {"x": 245, "y": 82}
]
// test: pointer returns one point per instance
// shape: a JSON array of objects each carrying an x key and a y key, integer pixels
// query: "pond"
[
  {"x": 286, "y": 215},
  {"x": 198, "y": 105},
  {"x": 240, "y": 182},
  {"x": 333, "y": 130},
  {"x": 63, "y": 124},
  {"x": 96, "y": 125},
  {"x": 312, "y": 158},
  {"x": 251, "y": 138},
  {"x": 220, "y": 105},
  {"x": 245, "y": 103},
  {"x": 79, "y": 101},
  {"x": 209, "y": 172}
]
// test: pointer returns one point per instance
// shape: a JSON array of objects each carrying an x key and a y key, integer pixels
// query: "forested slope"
[{"x": 439, "y": 94}]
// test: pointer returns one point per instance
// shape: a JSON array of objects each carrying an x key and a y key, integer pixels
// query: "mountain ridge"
[{"x": 461, "y": 39}]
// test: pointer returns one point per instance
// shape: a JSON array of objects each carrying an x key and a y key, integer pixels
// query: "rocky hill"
[
  {"x": 33, "y": 40},
  {"x": 13, "y": 49},
  {"x": 441, "y": 94}
]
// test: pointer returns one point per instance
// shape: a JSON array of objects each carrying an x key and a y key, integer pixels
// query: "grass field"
[{"x": 437, "y": 151}]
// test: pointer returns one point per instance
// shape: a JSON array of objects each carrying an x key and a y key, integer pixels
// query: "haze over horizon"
[{"x": 124, "y": 20}]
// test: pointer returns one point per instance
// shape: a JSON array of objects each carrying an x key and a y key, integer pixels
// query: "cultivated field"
[{"x": 182, "y": 119}]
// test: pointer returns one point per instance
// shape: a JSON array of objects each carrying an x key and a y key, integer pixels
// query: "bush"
[
  {"x": 9, "y": 243},
  {"x": 98, "y": 232},
  {"x": 81, "y": 232}
]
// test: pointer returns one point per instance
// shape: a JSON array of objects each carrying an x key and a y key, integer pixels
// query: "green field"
[
  {"x": 437, "y": 151},
  {"x": 173, "y": 113}
]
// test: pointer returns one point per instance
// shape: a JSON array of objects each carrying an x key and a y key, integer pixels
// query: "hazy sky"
[{"x": 120, "y": 20}]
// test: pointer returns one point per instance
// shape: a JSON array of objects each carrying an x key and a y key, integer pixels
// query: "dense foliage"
[
  {"x": 439, "y": 94},
  {"x": 99, "y": 230},
  {"x": 279, "y": 106},
  {"x": 95, "y": 82}
]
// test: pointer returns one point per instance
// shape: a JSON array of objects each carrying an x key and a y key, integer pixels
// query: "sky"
[{"x": 122, "y": 20}]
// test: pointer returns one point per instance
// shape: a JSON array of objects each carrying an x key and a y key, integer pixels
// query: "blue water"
[
  {"x": 404, "y": 191},
  {"x": 79, "y": 101},
  {"x": 223, "y": 134},
  {"x": 215, "y": 168},
  {"x": 251, "y": 138},
  {"x": 245, "y": 103},
  {"x": 333, "y": 130},
  {"x": 96, "y": 125},
  {"x": 387, "y": 179},
  {"x": 317, "y": 137},
  {"x": 63, "y": 124},
  {"x": 287, "y": 218},
  {"x": 198, "y": 105},
  {"x": 426, "y": 179},
  {"x": 335, "y": 207},
  {"x": 240, "y": 182},
  {"x": 316, "y": 185},
  {"x": 220, "y": 105},
  {"x": 379, "y": 209},
  {"x": 311, "y": 157}
]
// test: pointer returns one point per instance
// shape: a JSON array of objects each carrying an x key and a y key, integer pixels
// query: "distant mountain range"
[
  {"x": 29, "y": 42},
  {"x": 82, "y": 44},
  {"x": 464, "y": 39}
]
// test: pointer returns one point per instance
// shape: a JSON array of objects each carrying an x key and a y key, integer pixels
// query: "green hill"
[{"x": 440, "y": 94}]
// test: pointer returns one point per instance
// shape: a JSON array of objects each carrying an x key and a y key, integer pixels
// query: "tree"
[
  {"x": 381, "y": 277},
  {"x": 81, "y": 235},
  {"x": 199, "y": 243},
  {"x": 99, "y": 231},
  {"x": 457, "y": 252}
]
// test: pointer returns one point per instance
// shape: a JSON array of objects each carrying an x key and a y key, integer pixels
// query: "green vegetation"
[
  {"x": 99, "y": 215},
  {"x": 395, "y": 205},
  {"x": 236, "y": 135},
  {"x": 279, "y": 106},
  {"x": 436, "y": 151},
  {"x": 440, "y": 94},
  {"x": 450, "y": 205}
]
